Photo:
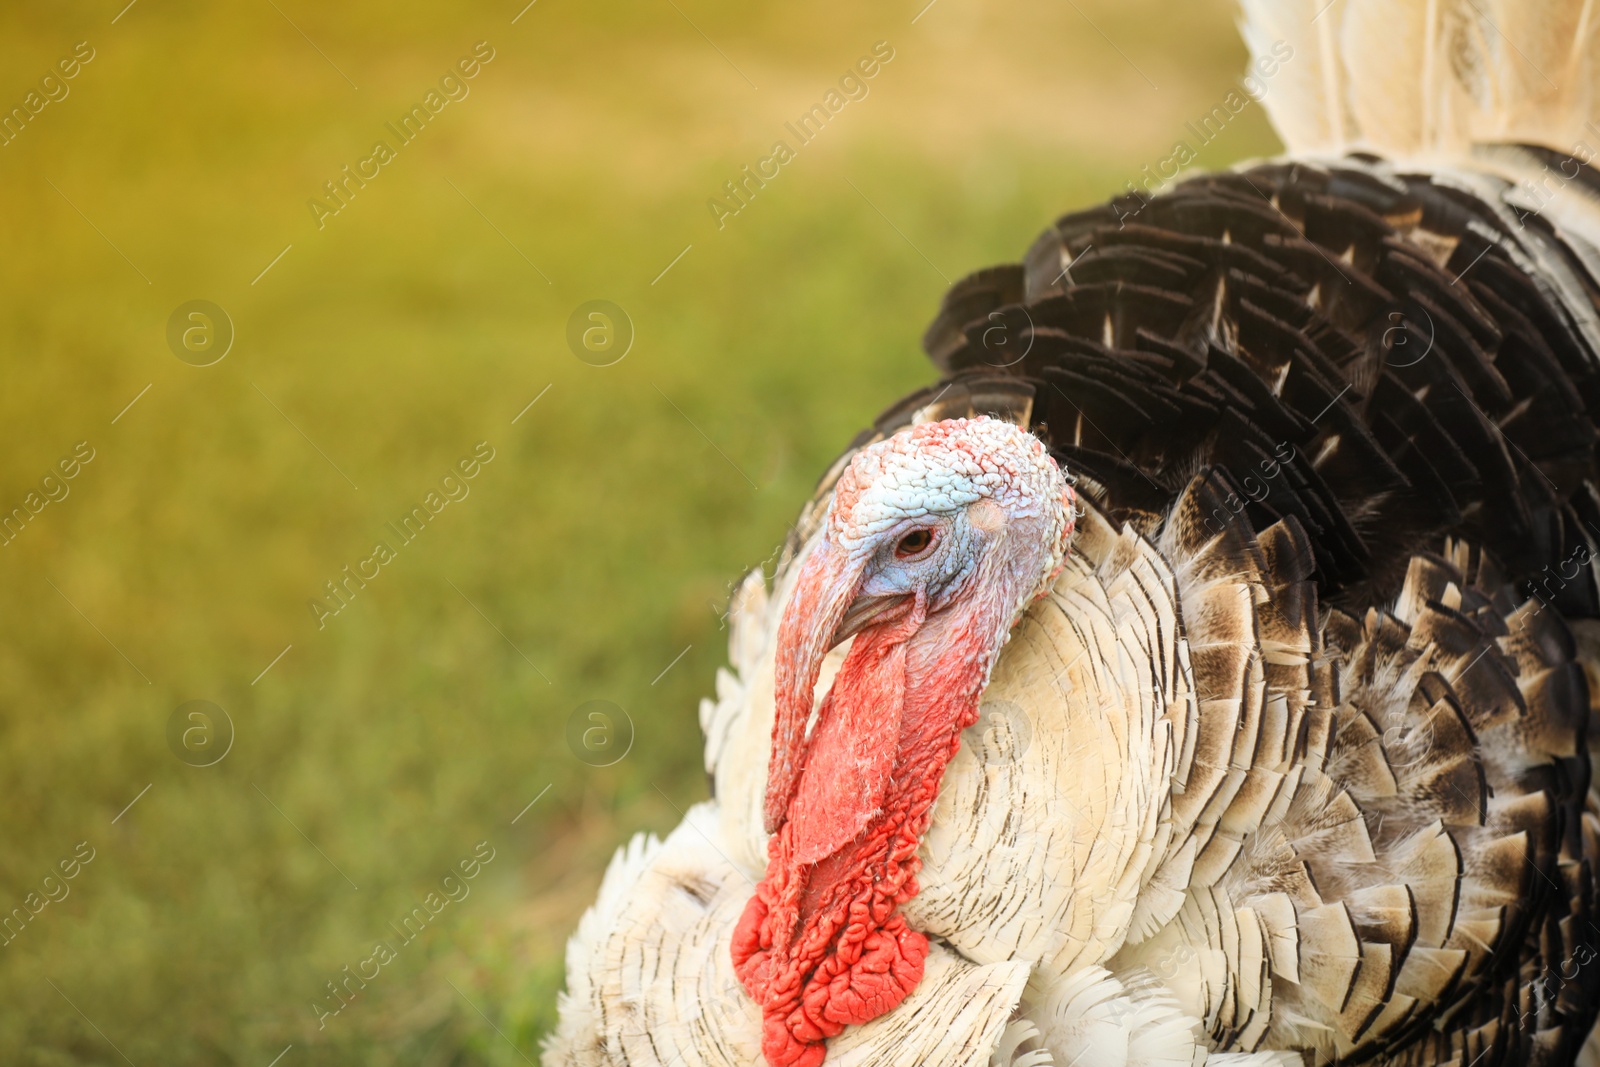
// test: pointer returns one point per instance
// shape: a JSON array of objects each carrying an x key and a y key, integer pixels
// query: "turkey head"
[{"x": 937, "y": 541}]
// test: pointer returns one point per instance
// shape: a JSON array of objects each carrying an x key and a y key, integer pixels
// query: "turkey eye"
[{"x": 913, "y": 544}]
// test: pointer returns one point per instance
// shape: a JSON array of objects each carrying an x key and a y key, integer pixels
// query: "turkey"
[{"x": 1199, "y": 672}]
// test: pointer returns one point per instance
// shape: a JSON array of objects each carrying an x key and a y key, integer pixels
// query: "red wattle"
[{"x": 821, "y": 944}]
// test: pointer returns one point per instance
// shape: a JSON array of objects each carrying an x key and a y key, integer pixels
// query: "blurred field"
[{"x": 599, "y": 543}]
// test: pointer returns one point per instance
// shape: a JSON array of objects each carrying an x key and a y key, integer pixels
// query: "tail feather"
[{"x": 1415, "y": 79}]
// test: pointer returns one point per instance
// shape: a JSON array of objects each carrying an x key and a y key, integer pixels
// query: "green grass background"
[{"x": 602, "y": 539}]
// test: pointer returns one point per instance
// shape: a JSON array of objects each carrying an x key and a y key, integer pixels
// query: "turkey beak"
[
  {"x": 863, "y": 610},
  {"x": 822, "y": 612}
]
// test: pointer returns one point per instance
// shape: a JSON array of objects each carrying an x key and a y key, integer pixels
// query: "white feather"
[{"x": 1426, "y": 79}]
